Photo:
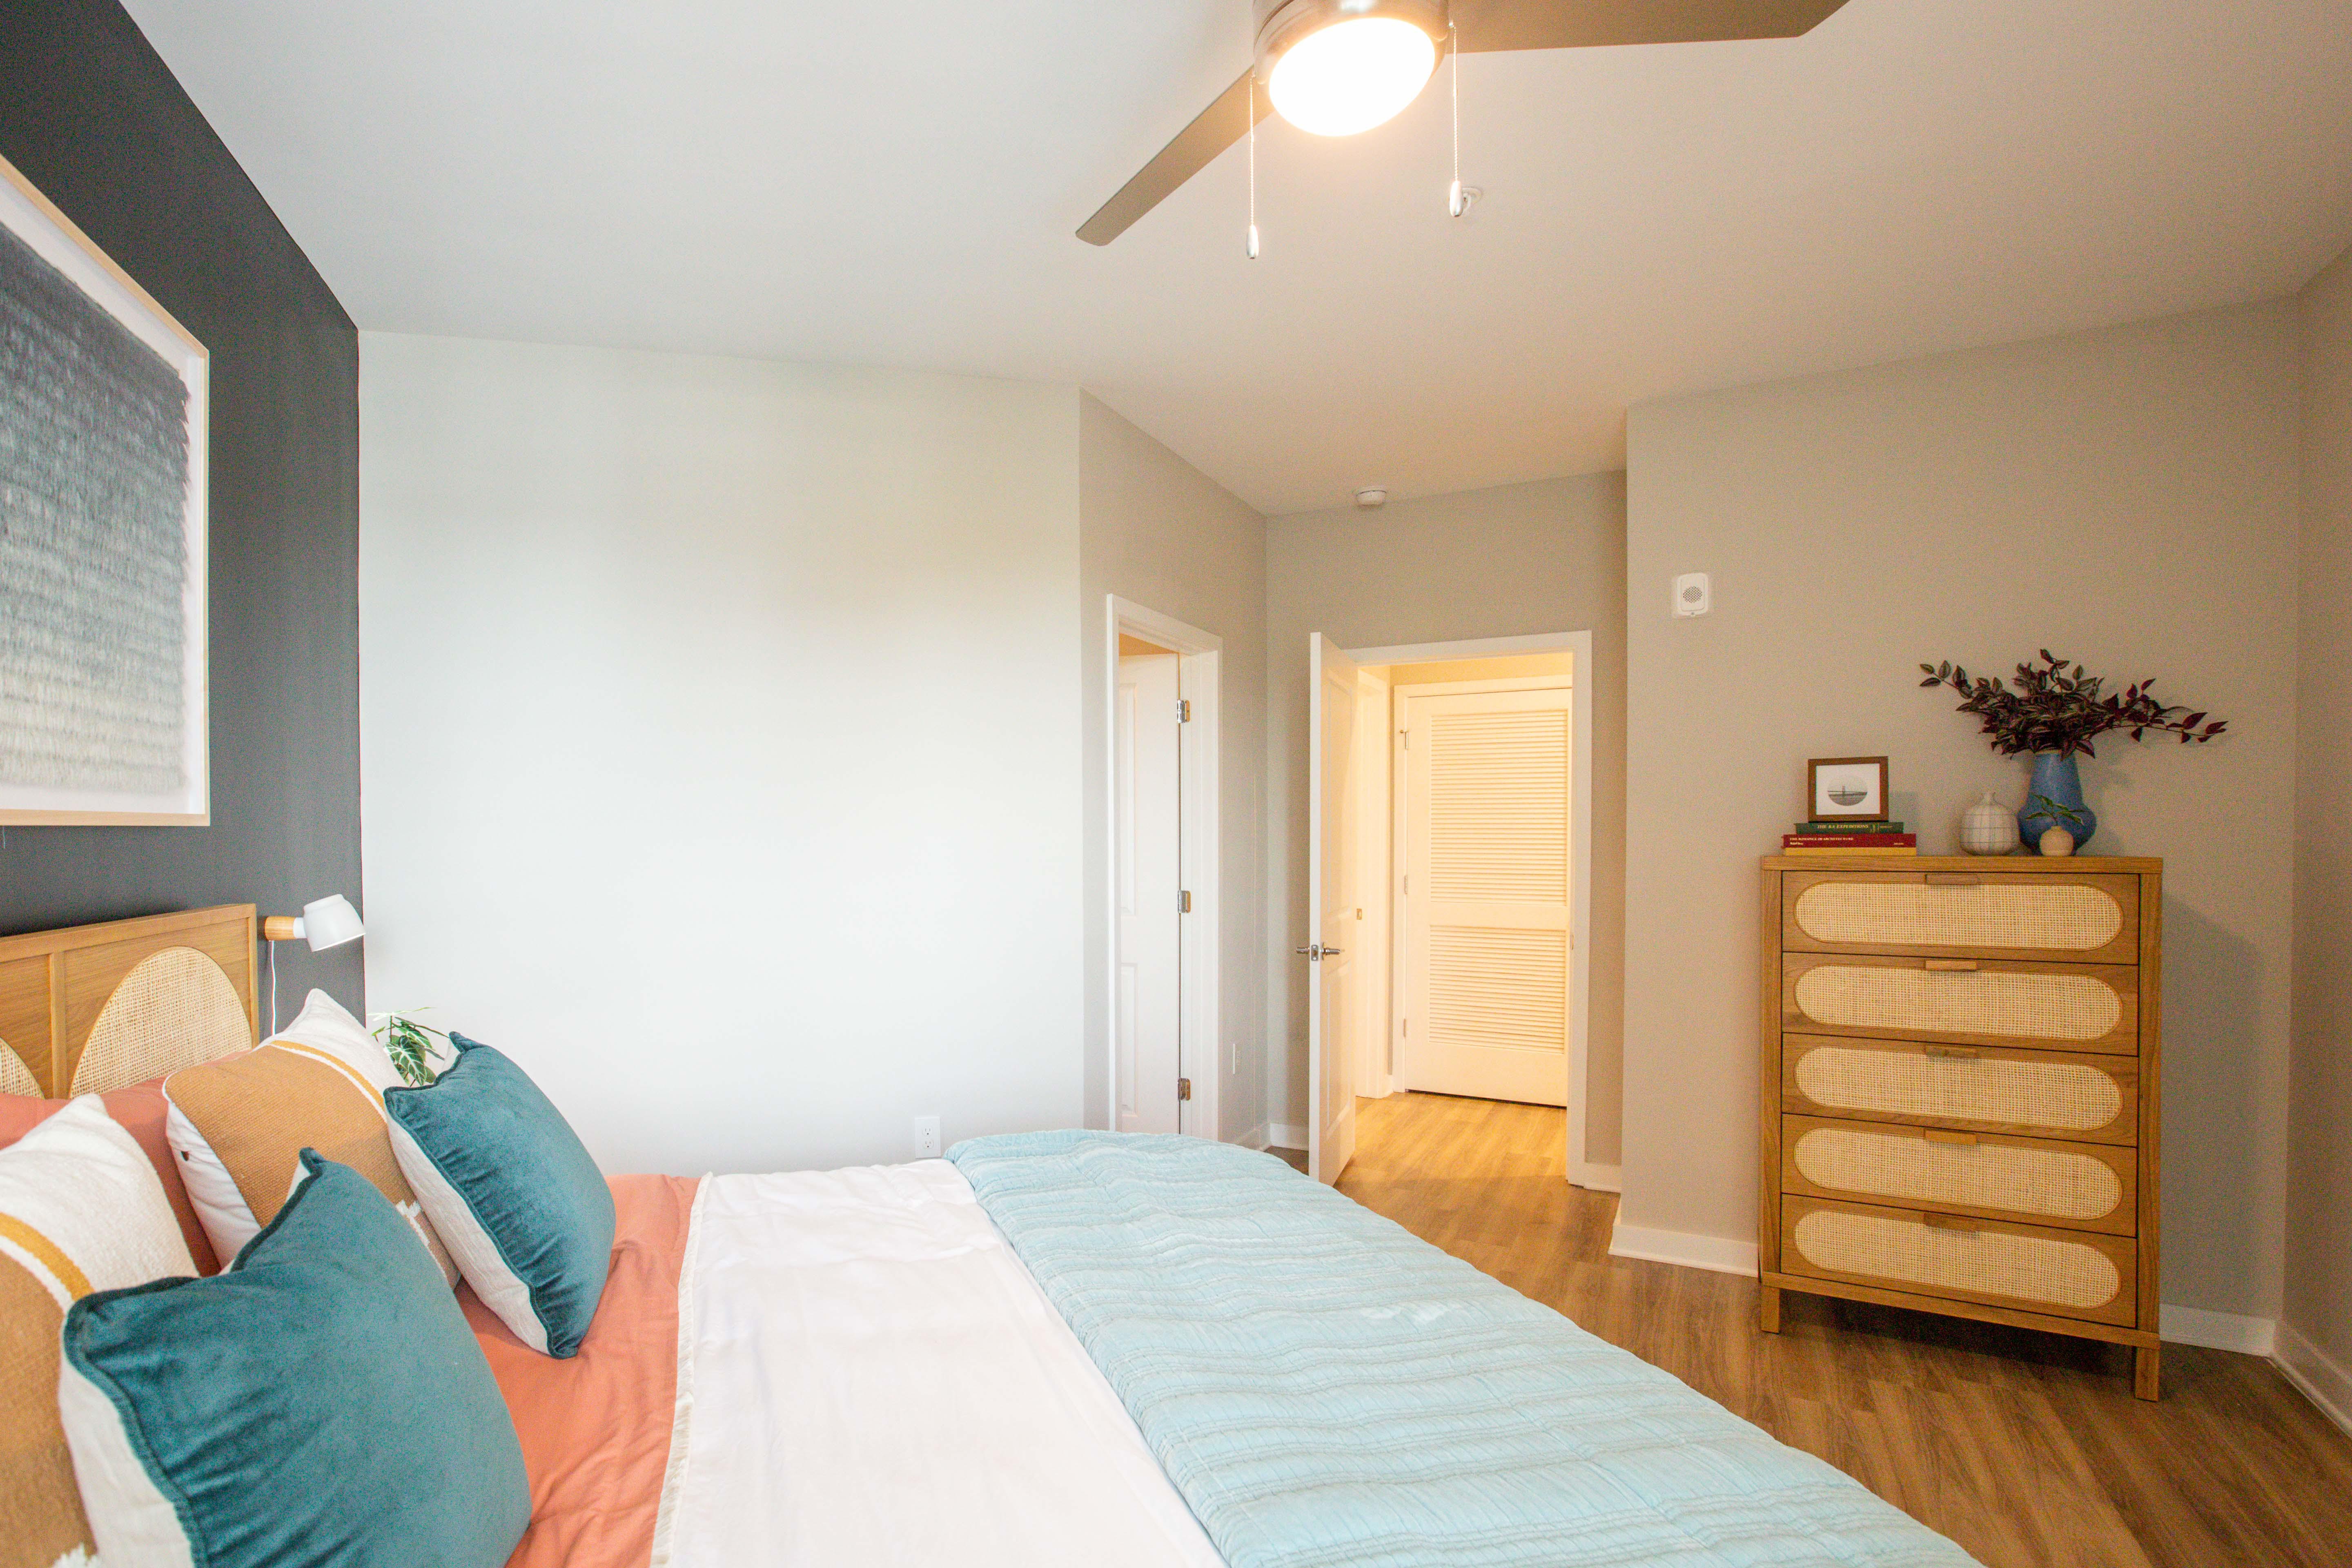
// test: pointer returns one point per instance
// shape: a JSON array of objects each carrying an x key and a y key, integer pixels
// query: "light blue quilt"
[{"x": 1325, "y": 1389}]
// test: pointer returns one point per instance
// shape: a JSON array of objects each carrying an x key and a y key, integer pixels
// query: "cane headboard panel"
[{"x": 91, "y": 1008}]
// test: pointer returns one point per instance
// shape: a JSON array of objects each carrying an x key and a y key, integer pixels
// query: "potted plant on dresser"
[{"x": 2053, "y": 716}]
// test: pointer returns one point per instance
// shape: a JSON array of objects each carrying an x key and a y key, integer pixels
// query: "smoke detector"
[{"x": 1371, "y": 497}]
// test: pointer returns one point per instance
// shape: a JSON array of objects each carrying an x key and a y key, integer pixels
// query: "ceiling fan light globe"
[{"x": 1352, "y": 75}]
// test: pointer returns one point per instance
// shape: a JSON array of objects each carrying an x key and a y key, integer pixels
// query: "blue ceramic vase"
[{"x": 2056, "y": 778}]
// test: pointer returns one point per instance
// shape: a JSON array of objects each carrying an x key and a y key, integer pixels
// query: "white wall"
[
  {"x": 1156, "y": 533},
  {"x": 2317, "y": 1317},
  {"x": 1512, "y": 560},
  {"x": 2125, "y": 497},
  {"x": 720, "y": 737}
]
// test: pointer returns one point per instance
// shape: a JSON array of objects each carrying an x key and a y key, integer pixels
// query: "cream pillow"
[
  {"x": 238, "y": 1125},
  {"x": 81, "y": 1210}
]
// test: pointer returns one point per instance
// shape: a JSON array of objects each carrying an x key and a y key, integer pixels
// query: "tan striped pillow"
[
  {"x": 81, "y": 1210},
  {"x": 239, "y": 1125}
]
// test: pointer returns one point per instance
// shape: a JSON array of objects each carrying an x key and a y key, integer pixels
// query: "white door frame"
[
  {"x": 1198, "y": 1054},
  {"x": 1580, "y": 953}
]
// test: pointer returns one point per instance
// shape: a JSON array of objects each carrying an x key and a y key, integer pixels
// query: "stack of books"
[{"x": 1849, "y": 838}]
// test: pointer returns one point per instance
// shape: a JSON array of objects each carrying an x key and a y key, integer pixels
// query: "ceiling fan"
[{"x": 1338, "y": 66}]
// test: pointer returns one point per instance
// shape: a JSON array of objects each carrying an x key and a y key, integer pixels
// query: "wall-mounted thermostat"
[{"x": 1693, "y": 595}]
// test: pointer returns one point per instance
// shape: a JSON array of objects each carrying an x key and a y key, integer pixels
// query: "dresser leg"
[
  {"x": 2144, "y": 1371},
  {"x": 1769, "y": 1311}
]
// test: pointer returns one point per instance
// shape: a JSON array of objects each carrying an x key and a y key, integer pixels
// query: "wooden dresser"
[{"x": 1960, "y": 1090}]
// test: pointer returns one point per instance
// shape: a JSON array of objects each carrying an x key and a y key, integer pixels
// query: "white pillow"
[
  {"x": 268, "y": 1134},
  {"x": 81, "y": 1209}
]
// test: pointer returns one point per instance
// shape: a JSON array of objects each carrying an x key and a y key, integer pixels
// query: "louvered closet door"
[{"x": 1486, "y": 895}]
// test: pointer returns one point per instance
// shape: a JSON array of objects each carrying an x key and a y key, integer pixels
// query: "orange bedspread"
[{"x": 595, "y": 1428}]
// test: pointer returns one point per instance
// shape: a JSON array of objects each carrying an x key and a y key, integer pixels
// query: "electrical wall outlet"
[{"x": 927, "y": 1137}]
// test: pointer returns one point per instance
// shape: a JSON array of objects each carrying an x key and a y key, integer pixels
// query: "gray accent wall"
[{"x": 90, "y": 114}]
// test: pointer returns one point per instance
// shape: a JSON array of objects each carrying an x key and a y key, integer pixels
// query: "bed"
[{"x": 1049, "y": 1348}]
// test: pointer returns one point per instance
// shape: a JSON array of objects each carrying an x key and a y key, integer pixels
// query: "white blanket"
[{"x": 872, "y": 1379}]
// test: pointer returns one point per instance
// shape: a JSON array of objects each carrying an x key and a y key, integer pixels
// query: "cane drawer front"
[
  {"x": 2092, "y": 918},
  {"x": 2030, "y": 1092},
  {"x": 2079, "y": 1187},
  {"x": 2036, "y": 1269},
  {"x": 1965, "y": 1001}
]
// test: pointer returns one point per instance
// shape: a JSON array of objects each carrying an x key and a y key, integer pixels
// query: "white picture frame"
[{"x": 47, "y": 793}]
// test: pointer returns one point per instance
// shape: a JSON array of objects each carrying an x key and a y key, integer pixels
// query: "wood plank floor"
[{"x": 2028, "y": 1450}]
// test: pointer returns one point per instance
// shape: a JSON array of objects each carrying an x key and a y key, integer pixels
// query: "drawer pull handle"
[
  {"x": 1962, "y": 1139},
  {"x": 1954, "y": 879},
  {"x": 1945, "y": 1222},
  {"x": 1955, "y": 1053},
  {"x": 1951, "y": 966}
]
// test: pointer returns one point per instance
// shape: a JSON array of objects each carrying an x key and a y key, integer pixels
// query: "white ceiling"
[{"x": 898, "y": 183}]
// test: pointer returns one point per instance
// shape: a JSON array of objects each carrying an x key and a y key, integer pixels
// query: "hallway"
[{"x": 2026, "y": 1449}]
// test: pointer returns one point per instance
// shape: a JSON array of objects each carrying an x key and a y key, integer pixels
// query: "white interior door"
[
  {"x": 1147, "y": 1005},
  {"x": 1487, "y": 894},
  {"x": 1332, "y": 939}
]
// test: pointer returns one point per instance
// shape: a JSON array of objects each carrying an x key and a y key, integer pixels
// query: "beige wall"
[
  {"x": 2125, "y": 497},
  {"x": 1154, "y": 532},
  {"x": 2317, "y": 1315},
  {"x": 1515, "y": 559}
]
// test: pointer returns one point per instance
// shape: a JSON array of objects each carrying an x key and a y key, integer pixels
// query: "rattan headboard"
[{"x": 92, "y": 1008}]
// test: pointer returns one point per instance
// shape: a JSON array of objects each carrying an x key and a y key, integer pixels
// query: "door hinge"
[
  {"x": 1183, "y": 1088},
  {"x": 1184, "y": 903},
  {"x": 1405, "y": 886},
  {"x": 1405, "y": 738},
  {"x": 1404, "y": 1028},
  {"x": 1183, "y": 711}
]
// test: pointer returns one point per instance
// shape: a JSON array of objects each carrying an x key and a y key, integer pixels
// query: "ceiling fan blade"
[
  {"x": 1485, "y": 26},
  {"x": 1216, "y": 128}
]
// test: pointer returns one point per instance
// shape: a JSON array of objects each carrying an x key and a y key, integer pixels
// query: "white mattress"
[{"x": 871, "y": 1378}]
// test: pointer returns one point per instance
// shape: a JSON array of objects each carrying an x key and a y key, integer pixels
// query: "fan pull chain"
[
  {"x": 1253, "y": 166},
  {"x": 1455, "y": 205}
]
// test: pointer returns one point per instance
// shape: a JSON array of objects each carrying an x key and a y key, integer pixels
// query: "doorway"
[
  {"x": 1450, "y": 790},
  {"x": 1147, "y": 884},
  {"x": 1485, "y": 867},
  {"x": 1159, "y": 809}
]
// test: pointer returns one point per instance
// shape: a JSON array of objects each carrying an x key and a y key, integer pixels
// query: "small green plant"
[
  {"x": 409, "y": 1044},
  {"x": 2043, "y": 805}
]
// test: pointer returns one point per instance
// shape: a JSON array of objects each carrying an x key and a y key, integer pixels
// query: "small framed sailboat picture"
[{"x": 1847, "y": 789}]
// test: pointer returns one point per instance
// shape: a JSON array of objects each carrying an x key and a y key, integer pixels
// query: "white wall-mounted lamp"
[{"x": 323, "y": 923}]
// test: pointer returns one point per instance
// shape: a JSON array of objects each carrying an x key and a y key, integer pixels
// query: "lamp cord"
[{"x": 273, "y": 988}]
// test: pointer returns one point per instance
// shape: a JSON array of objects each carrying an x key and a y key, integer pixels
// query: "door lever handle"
[{"x": 1316, "y": 952}]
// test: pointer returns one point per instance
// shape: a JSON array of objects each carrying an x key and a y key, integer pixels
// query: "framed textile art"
[{"x": 103, "y": 452}]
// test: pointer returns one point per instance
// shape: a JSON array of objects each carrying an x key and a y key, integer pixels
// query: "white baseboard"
[
  {"x": 1718, "y": 1253},
  {"x": 1285, "y": 1135},
  {"x": 2216, "y": 1330},
  {"x": 1252, "y": 1139},
  {"x": 2321, "y": 1382},
  {"x": 1600, "y": 1178}
]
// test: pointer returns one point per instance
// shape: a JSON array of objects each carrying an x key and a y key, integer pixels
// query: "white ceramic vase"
[{"x": 1989, "y": 827}]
